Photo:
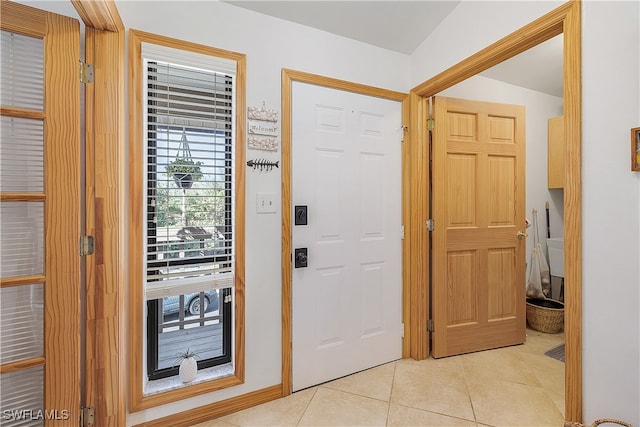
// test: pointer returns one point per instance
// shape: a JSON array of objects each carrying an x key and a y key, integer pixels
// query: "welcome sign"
[{"x": 262, "y": 128}]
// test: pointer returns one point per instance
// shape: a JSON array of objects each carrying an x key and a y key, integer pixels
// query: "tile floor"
[{"x": 513, "y": 386}]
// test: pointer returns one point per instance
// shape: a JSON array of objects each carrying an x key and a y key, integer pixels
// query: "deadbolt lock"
[{"x": 300, "y": 257}]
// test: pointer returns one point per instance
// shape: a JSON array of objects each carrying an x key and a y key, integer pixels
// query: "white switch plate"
[{"x": 265, "y": 203}]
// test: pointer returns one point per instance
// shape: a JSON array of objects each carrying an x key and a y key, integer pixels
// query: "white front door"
[{"x": 346, "y": 169}]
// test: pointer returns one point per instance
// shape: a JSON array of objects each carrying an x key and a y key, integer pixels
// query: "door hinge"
[
  {"x": 402, "y": 325},
  {"x": 87, "y": 416},
  {"x": 86, "y": 72},
  {"x": 429, "y": 224},
  {"x": 227, "y": 298},
  {"x": 402, "y": 232},
  {"x": 86, "y": 245},
  {"x": 430, "y": 326},
  {"x": 431, "y": 124},
  {"x": 403, "y": 129}
]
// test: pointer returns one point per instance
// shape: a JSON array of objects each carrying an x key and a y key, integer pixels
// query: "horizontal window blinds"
[
  {"x": 23, "y": 391},
  {"x": 21, "y": 155},
  {"x": 189, "y": 174},
  {"x": 21, "y": 322},
  {"x": 22, "y": 70}
]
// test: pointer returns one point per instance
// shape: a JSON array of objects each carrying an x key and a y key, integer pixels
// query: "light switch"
[{"x": 265, "y": 203}]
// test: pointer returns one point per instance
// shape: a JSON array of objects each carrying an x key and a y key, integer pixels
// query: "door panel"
[
  {"x": 346, "y": 167},
  {"x": 40, "y": 217},
  {"x": 478, "y": 208}
]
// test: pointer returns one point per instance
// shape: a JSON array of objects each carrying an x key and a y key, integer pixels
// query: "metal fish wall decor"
[{"x": 263, "y": 164}]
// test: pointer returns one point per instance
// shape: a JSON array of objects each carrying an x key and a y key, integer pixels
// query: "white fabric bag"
[{"x": 539, "y": 283}]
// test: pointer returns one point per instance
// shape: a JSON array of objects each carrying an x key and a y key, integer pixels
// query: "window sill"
[
  {"x": 174, "y": 383},
  {"x": 161, "y": 392}
]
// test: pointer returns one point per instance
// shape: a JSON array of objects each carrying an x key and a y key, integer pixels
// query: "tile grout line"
[
  {"x": 324, "y": 385},
  {"x": 307, "y": 405},
  {"x": 466, "y": 383},
  {"x": 393, "y": 381}
]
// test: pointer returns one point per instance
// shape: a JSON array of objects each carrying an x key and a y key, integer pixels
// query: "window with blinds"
[
  {"x": 189, "y": 259},
  {"x": 189, "y": 178}
]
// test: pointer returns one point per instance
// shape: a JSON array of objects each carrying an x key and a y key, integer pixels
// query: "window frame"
[
  {"x": 137, "y": 182},
  {"x": 153, "y": 308}
]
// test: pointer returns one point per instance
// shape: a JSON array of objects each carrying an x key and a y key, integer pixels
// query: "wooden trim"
[
  {"x": 22, "y": 113},
  {"x": 62, "y": 341},
  {"x": 21, "y": 364},
  {"x": 406, "y": 220},
  {"x": 99, "y": 14},
  {"x": 137, "y": 400},
  {"x": 217, "y": 409},
  {"x": 419, "y": 254},
  {"x": 22, "y": 280},
  {"x": 287, "y": 77},
  {"x": 185, "y": 45},
  {"x": 23, "y": 197},
  {"x": 136, "y": 293},
  {"x": 21, "y": 19},
  {"x": 240, "y": 214},
  {"x": 285, "y": 257},
  {"x": 564, "y": 20},
  {"x": 573, "y": 211},
  {"x": 105, "y": 284},
  {"x": 330, "y": 82}
]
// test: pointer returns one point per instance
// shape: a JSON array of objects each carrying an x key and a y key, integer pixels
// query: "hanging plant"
[{"x": 184, "y": 170}]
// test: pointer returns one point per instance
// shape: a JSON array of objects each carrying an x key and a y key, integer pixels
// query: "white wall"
[
  {"x": 611, "y": 202},
  {"x": 270, "y": 45},
  {"x": 611, "y": 272},
  {"x": 539, "y": 108}
]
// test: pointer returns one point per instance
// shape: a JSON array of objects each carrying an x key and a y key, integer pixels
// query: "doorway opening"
[{"x": 564, "y": 20}]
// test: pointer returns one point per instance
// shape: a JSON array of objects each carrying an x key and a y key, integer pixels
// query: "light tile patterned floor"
[{"x": 513, "y": 386}]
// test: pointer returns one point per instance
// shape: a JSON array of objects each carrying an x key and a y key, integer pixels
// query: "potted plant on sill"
[
  {"x": 188, "y": 366},
  {"x": 185, "y": 171}
]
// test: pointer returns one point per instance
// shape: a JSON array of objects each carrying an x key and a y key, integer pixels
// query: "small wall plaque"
[
  {"x": 262, "y": 128},
  {"x": 635, "y": 149}
]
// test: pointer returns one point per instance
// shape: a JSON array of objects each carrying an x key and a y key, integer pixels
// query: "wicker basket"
[
  {"x": 545, "y": 315},
  {"x": 598, "y": 422}
]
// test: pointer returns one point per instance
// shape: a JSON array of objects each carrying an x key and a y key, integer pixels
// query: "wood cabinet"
[{"x": 555, "y": 153}]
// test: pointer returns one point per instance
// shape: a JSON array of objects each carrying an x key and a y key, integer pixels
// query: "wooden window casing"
[{"x": 137, "y": 399}]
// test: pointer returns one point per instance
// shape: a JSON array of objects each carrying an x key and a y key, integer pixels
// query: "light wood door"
[
  {"x": 346, "y": 169},
  {"x": 478, "y": 209},
  {"x": 40, "y": 218}
]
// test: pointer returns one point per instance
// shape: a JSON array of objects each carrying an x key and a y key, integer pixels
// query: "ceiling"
[
  {"x": 395, "y": 25},
  {"x": 401, "y": 26}
]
